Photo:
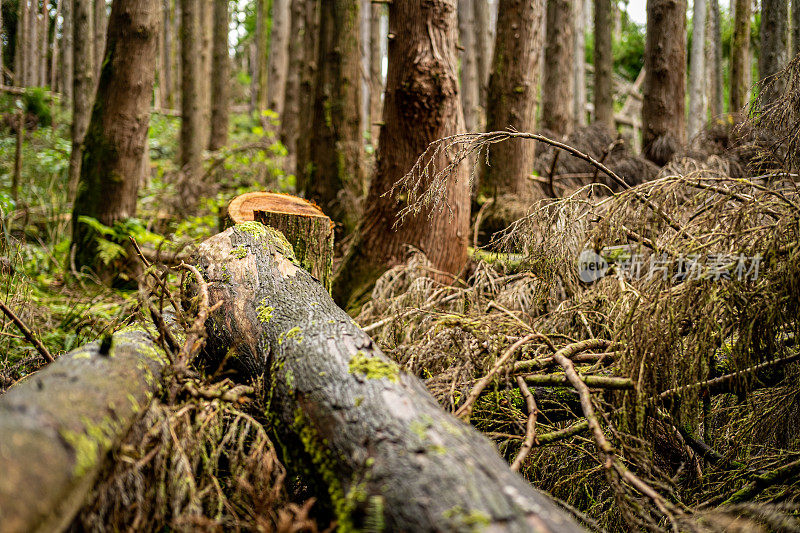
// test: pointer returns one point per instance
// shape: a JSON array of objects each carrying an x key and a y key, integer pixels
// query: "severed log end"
[{"x": 390, "y": 457}]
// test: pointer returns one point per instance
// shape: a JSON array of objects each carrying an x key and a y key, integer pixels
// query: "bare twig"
[
  {"x": 530, "y": 428},
  {"x": 41, "y": 348}
]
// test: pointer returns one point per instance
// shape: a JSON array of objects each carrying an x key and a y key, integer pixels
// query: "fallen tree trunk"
[
  {"x": 388, "y": 455},
  {"x": 57, "y": 426}
]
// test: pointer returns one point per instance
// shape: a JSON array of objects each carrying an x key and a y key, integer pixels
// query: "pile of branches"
[{"x": 658, "y": 388}]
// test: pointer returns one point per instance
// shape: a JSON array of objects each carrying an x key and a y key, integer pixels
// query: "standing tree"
[
  {"x": 290, "y": 119},
  {"x": 82, "y": 82},
  {"x": 603, "y": 61},
  {"x": 116, "y": 137},
  {"x": 20, "y": 45},
  {"x": 278, "y": 55},
  {"x": 376, "y": 41},
  {"x": 483, "y": 44},
  {"x": 258, "y": 86},
  {"x": 470, "y": 79},
  {"x": 220, "y": 78},
  {"x": 774, "y": 46},
  {"x": 511, "y": 102},
  {"x": 714, "y": 59},
  {"x": 191, "y": 136},
  {"x": 663, "y": 106},
  {"x": 579, "y": 96},
  {"x": 335, "y": 178},
  {"x": 308, "y": 80},
  {"x": 740, "y": 56},
  {"x": 795, "y": 27},
  {"x": 559, "y": 80},
  {"x": 44, "y": 42},
  {"x": 165, "y": 75},
  {"x": 100, "y": 23},
  {"x": 697, "y": 75},
  {"x": 421, "y": 105}
]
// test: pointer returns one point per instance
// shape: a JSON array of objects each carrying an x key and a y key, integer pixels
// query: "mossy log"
[
  {"x": 57, "y": 426},
  {"x": 388, "y": 455}
]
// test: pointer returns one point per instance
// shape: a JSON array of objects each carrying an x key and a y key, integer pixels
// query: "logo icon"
[{"x": 591, "y": 266}]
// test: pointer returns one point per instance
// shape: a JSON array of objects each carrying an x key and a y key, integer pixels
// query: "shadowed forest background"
[{"x": 578, "y": 234}]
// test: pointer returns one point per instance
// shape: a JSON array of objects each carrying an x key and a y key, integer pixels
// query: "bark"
[
  {"x": 191, "y": 136},
  {"x": 55, "y": 86},
  {"x": 579, "y": 65},
  {"x": 20, "y": 45},
  {"x": 603, "y": 59},
  {"x": 278, "y": 55},
  {"x": 483, "y": 44},
  {"x": 421, "y": 105},
  {"x": 740, "y": 56},
  {"x": 100, "y": 28},
  {"x": 335, "y": 177},
  {"x": 290, "y": 122},
  {"x": 220, "y": 78},
  {"x": 82, "y": 82},
  {"x": 513, "y": 87},
  {"x": 308, "y": 81},
  {"x": 372, "y": 435},
  {"x": 43, "y": 45},
  {"x": 795, "y": 27},
  {"x": 774, "y": 48},
  {"x": 376, "y": 86},
  {"x": 58, "y": 427},
  {"x": 115, "y": 140},
  {"x": 663, "y": 106},
  {"x": 470, "y": 83},
  {"x": 697, "y": 74},
  {"x": 559, "y": 82},
  {"x": 206, "y": 14},
  {"x": 258, "y": 100},
  {"x": 715, "y": 97},
  {"x": 33, "y": 49},
  {"x": 165, "y": 80}
]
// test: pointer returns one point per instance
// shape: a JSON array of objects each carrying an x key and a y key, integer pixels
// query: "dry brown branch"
[
  {"x": 530, "y": 428},
  {"x": 41, "y": 348}
]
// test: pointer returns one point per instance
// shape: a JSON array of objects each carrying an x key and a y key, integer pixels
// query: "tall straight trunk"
[
  {"x": 559, "y": 82},
  {"x": 512, "y": 94},
  {"x": 278, "y": 55},
  {"x": 308, "y": 83},
  {"x": 44, "y": 44},
  {"x": 100, "y": 27},
  {"x": 258, "y": 86},
  {"x": 220, "y": 78},
  {"x": 336, "y": 161},
  {"x": 33, "y": 45},
  {"x": 663, "y": 107},
  {"x": 115, "y": 140},
  {"x": 177, "y": 47},
  {"x": 54, "y": 58},
  {"x": 697, "y": 74},
  {"x": 795, "y": 27},
  {"x": 714, "y": 58},
  {"x": 2, "y": 47},
  {"x": 165, "y": 80},
  {"x": 20, "y": 47},
  {"x": 603, "y": 59},
  {"x": 470, "y": 83},
  {"x": 774, "y": 47},
  {"x": 206, "y": 13},
  {"x": 291, "y": 98},
  {"x": 67, "y": 72},
  {"x": 421, "y": 105},
  {"x": 191, "y": 136},
  {"x": 376, "y": 41},
  {"x": 483, "y": 44},
  {"x": 82, "y": 81},
  {"x": 740, "y": 56},
  {"x": 579, "y": 62}
]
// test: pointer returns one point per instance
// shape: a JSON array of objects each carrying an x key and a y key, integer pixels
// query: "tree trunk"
[
  {"x": 279, "y": 55},
  {"x": 795, "y": 27},
  {"x": 82, "y": 83},
  {"x": 579, "y": 62},
  {"x": 57, "y": 429},
  {"x": 513, "y": 87},
  {"x": 603, "y": 59},
  {"x": 774, "y": 47},
  {"x": 2, "y": 47},
  {"x": 290, "y": 122},
  {"x": 335, "y": 178},
  {"x": 715, "y": 92},
  {"x": 165, "y": 81},
  {"x": 376, "y": 85},
  {"x": 20, "y": 47},
  {"x": 67, "y": 69},
  {"x": 559, "y": 81},
  {"x": 470, "y": 84},
  {"x": 100, "y": 30},
  {"x": 483, "y": 45},
  {"x": 191, "y": 137},
  {"x": 33, "y": 45},
  {"x": 115, "y": 140},
  {"x": 663, "y": 107},
  {"x": 206, "y": 14},
  {"x": 308, "y": 81},
  {"x": 421, "y": 105},
  {"x": 740, "y": 56},
  {"x": 258, "y": 96},
  {"x": 697, "y": 75},
  {"x": 340, "y": 405},
  {"x": 54, "y": 72},
  {"x": 220, "y": 78},
  {"x": 44, "y": 42}
]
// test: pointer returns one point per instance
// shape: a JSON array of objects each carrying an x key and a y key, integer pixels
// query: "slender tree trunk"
[
  {"x": 82, "y": 82},
  {"x": 715, "y": 92},
  {"x": 774, "y": 47},
  {"x": 483, "y": 45},
  {"x": 21, "y": 46},
  {"x": 795, "y": 27},
  {"x": 308, "y": 82},
  {"x": 336, "y": 161},
  {"x": 470, "y": 82},
  {"x": 33, "y": 46},
  {"x": 100, "y": 28},
  {"x": 67, "y": 72},
  {"x": 663, "y": 108},
  {"x": 44, "y": 42},
  {"x": 421, "y": 105},
  {"x": 220, "y": 77},
  {"x": 697, "y": 75},
  {"x": 291, "y": 99},
  {"x": 279, "y": 55},
  {"x": 579, "y": 69},
  {"x": 177, "y": 51},
  {"x": 559, "y": 81},
  {"x": 206, "y": 13},
  {"x": 258, "y": 100},
  {"x": 165, "y": 81},
  {"x": 117, "y": 133},
  {"x": 513, "y": 87},
  {"x": 603, "y": 59},
  {"x": 54, "y": 72},
  {"x": 740, "y": 56},
  {"x": 191, "y": 136},
  {"x": 376, "y": 41},
  {"x": 2, "y": 47}
]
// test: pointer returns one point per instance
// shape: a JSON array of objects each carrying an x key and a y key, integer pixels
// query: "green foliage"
[{"x": 35, "y": 101}]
